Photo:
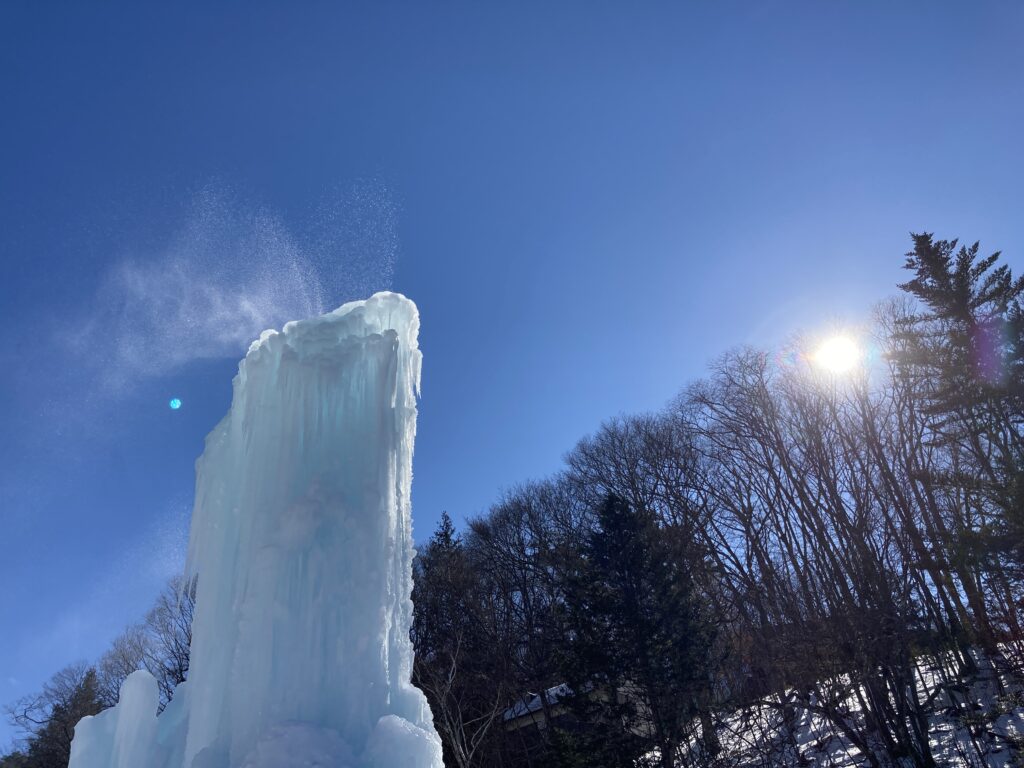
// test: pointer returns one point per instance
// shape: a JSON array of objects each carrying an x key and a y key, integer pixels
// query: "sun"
[{"x": 838, "y": 354}]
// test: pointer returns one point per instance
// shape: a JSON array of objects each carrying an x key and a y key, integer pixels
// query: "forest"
[{"x": 785, "y": 566}]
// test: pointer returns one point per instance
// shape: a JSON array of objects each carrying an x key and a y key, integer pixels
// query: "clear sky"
[{"x": 588, "y": 202}]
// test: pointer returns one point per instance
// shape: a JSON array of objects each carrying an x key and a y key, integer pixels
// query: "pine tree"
[
  {"x": 637, "y": 660},
  {"x": 50, "y": 718},
  {"x": 967, "y": 350},
  {"x": 455, "y": 659}
]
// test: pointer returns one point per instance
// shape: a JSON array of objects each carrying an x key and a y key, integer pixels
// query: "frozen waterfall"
[{"x": 301, "y": 540}]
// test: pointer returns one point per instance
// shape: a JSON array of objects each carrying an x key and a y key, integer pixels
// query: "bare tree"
[
  {"x": 160, "y": 645},
  {"x": 168, "y": 629},
  {"x": 127, "y": 653}
]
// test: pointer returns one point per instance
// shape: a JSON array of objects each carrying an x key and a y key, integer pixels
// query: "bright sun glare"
[{"x": 838, "y": 354}]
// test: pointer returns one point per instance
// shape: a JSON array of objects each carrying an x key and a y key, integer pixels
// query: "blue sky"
[{"x": 588, "y": 202}]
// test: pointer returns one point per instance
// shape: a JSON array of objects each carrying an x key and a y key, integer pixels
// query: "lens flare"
[
  {"x": 838, "y": 354},
  {"x": 175, "y": 403}
]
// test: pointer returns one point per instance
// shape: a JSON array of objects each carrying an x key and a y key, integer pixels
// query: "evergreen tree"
[
  {"x": 638, "y": 658},
  {"x": 50, "y": 718},
  {"x": 16, "y": 759},
  {"x": 455, "y": 663},
  {"x": 967, "y": 351}
]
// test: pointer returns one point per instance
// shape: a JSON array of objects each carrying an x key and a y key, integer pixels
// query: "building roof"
[{"x": 531, "y": 702}]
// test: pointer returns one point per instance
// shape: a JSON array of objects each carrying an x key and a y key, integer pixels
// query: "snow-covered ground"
[{"x": 977, "y": 723}]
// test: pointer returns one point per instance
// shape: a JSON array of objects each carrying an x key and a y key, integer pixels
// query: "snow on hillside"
[{"x": 976, "y": 724}]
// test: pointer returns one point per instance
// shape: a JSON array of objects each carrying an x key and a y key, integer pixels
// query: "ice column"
[{"x": 301, "y": 541}]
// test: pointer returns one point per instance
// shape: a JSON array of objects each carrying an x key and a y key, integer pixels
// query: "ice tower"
[{"x": 302, "y": 545}]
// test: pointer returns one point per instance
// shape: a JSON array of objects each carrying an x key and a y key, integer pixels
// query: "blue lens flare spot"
[{"x": 175, "y": 403}]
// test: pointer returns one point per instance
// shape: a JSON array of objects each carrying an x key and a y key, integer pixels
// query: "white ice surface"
[{"x": 301, "y": 540}]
